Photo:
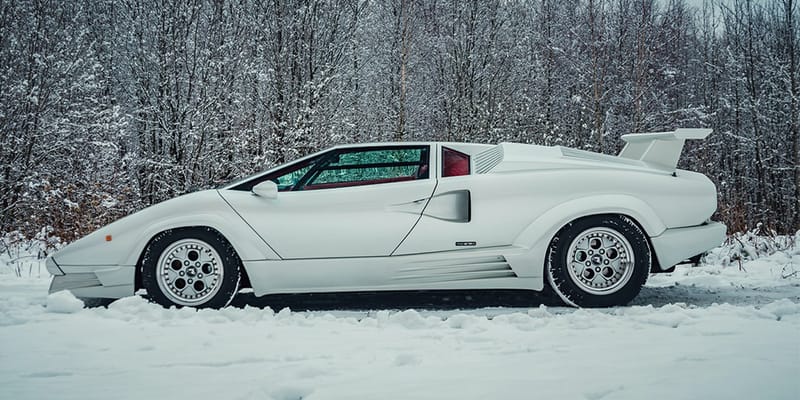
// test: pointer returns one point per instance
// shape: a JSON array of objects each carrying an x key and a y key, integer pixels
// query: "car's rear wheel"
[
  {"x": 193, "y": 267},
  {"x": 598, "y": 261}
]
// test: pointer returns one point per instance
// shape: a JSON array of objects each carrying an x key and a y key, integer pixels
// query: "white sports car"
[{"x": 414, "y": 216}]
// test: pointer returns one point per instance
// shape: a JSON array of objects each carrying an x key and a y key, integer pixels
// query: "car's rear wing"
[{"x": 660, "y": 149}]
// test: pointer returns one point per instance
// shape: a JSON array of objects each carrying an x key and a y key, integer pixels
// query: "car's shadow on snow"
[
  {"x": 703, "y": 296},
  {"x": 471, "y": 299},
  {"x": 454, "y": 300},
  {"x": 429, "y": 300}
]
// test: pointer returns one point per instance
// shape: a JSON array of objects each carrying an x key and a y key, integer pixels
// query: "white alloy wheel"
[
  {"x": 189, "y": 272},
  {"x": 601, "y": 260}
]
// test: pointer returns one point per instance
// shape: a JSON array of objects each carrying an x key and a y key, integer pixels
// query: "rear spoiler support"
[{"x": 660, "y": 149}]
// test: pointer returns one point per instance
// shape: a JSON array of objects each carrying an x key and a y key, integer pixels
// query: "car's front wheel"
[
  {"x": 599, "y": 261},
  {"x": 193, "y": 267}
]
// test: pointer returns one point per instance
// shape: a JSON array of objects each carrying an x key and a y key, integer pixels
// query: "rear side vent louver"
[{"x": 488, "y": 159}]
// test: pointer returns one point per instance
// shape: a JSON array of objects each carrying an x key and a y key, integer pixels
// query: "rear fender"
[{"x": 540, "y": 232}]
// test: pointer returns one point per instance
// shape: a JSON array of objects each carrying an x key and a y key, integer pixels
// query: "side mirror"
[{"x": 266, "y": 189}]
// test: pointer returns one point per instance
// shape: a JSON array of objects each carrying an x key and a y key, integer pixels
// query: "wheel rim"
[
  {"x": 189, "y": 272},
  {"x": 600, "y": 261}
]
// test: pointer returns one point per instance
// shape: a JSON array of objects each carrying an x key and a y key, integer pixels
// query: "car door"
[
  {"x": 471, "y": 210},
  {"x": 348, "y": 202}
]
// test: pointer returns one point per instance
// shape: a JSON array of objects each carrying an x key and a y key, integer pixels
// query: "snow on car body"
[{"x": 414, "y": 216}]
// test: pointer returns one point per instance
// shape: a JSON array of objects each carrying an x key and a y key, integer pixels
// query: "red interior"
[
  {"x": 455, "y": 163},
  {"x": 358, "y": 183}
]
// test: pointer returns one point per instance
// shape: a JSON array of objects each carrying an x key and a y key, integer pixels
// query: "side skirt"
[{"x": 496, "y": 268}]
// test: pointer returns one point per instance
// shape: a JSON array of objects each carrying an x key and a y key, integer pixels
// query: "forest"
[{"x": 109, "y": 106}]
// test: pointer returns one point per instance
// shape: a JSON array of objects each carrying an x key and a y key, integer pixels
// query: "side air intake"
[{"x": 457, "y": 270}]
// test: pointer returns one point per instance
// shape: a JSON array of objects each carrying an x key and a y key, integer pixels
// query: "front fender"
[{"x": 131, "y": 234}]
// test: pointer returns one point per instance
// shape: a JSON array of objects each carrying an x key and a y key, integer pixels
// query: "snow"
[
  {"x": 716, "y": 331},
  {"x": 63, "y": 302}
]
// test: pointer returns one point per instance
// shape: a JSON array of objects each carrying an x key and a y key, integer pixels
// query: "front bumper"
[
  {"x": 678, "y": 244},
  {"x": 111, "y": 282},
  {"x": 52, "y": 267}
]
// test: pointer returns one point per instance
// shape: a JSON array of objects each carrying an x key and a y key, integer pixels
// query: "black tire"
[
  {"x": 623, "y": 285},
  {"x": 229, "y": 266},
  {"x": 95, "y": 302}
]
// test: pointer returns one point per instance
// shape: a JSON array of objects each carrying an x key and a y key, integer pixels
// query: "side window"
[
  {"x": 370, "y": 166},
  {"x": 454, "y": 163},
  {"x": 288, "y": 179}
]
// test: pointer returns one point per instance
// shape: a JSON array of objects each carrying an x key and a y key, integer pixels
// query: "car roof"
[{"x": 401, "y": 144}]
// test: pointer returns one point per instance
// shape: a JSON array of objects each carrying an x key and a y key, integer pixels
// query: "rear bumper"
[{"x": 678, "y": 244}]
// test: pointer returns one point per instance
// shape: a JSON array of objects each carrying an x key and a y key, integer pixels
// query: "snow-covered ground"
[{"x": 718, "y": 331}]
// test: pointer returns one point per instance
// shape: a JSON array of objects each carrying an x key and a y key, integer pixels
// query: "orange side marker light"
[{"x": 108, "y": 238}]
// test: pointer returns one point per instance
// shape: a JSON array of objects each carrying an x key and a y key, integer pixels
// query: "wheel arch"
[
  {"x": 538, "y": 235},
  {"x": 654, "y": 265},
  {"x": 570, "y": 223},
  {"x": 245, "y": 283}
]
